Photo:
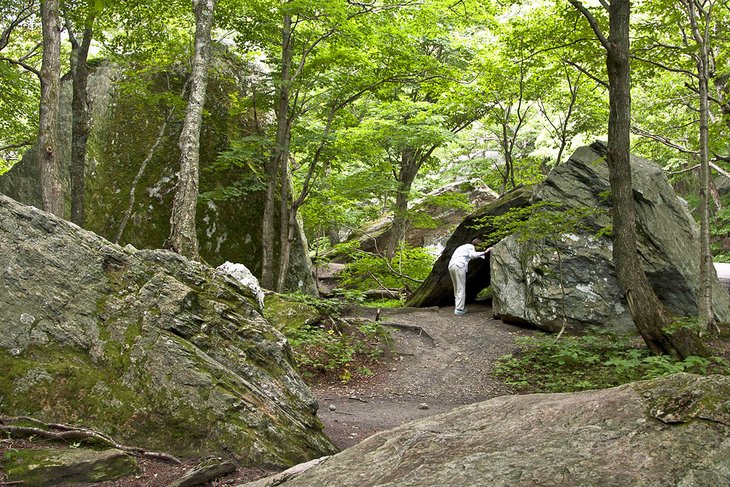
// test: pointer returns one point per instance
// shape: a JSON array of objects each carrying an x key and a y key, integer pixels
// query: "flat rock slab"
[
  {"x": 673, "y": 431},
  {"x": 53, "y": 466}
]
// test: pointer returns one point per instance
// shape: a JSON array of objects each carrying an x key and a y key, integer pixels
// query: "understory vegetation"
[
  {"x": 335, "y": 348},
  {"x": 597, "y": 360},
  {"x": 335, "y": 351}
]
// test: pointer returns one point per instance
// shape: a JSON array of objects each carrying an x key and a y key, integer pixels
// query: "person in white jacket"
[{"x": 458, "y": 266}]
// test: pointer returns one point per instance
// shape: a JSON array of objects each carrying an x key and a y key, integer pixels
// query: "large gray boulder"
[
  {"x": 146, "y": 346},
  {"x": 673, "y": 431},
  {"x": 125, "y": 127},
  {"x": 569, "y": 277}
]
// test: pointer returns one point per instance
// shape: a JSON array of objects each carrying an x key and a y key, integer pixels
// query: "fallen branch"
[
  {"x": 203, "y": 475},
  {"x": 414, "y": 328},
  {"x": 384, "y": 293},
  {"x": 71, "y": 433}
]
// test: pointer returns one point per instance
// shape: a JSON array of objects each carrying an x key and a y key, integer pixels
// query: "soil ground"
[{"x": 440, "y": 361}]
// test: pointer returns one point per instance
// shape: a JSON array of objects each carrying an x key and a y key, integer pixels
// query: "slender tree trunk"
[
  {"x": 51, "y": 188},
  {"x": 281, "y": 153},
  {"x": 80, "y": 125},
  {"x": 286, "y": 215},
  {"x": 706, "y": 311},
  {"x": 701, "y": 36},
  {"x": 183, "y": 237},
  {"x": 407, "y": 174}
]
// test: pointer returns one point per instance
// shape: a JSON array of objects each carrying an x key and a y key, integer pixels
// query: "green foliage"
[
  {"x": 539, "y": 221},
  {"x": 371, "y": 271},
  {"x": 327, "y": 307},
  {"x": 596, "y": 360},
  {"x": 337, "y": 349}
]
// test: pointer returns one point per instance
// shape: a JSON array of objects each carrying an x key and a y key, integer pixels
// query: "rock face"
[
  {"x": 526, "y": 277},
  {"x": 666, "y": 432},
  {"x": 126, "y": 126},
  {"x": 152, "y": 349},
  {"x": 569, "y": 277}
]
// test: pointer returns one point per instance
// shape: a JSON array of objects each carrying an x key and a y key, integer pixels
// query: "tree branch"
[
  {"x": 593, "y": 22},
  {"x": 664, "y": 66},
  {"x": 587, "y": 73},
  {"x": 663, "y": 140}
]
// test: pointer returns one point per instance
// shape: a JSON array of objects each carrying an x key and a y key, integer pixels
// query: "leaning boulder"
[
  {"x": 569, "y": 278},
  {"x": 669, "y": 431},
  {"x": 150, "y": 348}
]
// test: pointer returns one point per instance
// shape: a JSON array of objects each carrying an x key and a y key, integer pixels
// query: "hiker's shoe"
[{"x": 460, "y": 312}]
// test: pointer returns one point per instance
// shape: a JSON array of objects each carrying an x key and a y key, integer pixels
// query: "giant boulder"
[
  {"x": 146, "y": 346},
  {"x": 133, "y": 160},
  {"x": 570, "y": 279},
  {"x": 672, "y": 431}
]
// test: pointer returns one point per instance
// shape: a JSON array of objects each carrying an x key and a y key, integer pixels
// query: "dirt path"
[{"x": 446, "y": 366}]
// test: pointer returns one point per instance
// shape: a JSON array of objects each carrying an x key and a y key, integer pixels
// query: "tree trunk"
[
  {"x": 183, "y": 232},
  {"x": 51, "y": 189},
  {"x": 649, "y": 314},
  {"x": 410, "y": 164},
  {"x": 287, "y": 216},
  {"x": 80, "y": 124},
  {"x": 706, "y": 312},
  {"x": 697, "y": 12},
  {"x": 279, "y": 157}
]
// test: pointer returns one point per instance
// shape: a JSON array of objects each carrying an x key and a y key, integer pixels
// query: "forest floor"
[{"x": 439, "y": 361}]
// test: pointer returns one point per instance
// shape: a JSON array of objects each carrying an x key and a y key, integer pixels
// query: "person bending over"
[{"x": 458, "y": 265}]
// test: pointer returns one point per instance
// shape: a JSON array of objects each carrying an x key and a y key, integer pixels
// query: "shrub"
[
  {"x": 596, "y": 360},
  {"x": 338, "y": 350}
]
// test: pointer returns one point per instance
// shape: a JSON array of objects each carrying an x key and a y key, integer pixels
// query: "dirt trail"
[{"x": 446, "y": 366}]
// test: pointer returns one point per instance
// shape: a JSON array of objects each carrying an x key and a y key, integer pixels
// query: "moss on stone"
[
  {"x": 40, "y": 467},
  {"x": 287, "y": 315}
]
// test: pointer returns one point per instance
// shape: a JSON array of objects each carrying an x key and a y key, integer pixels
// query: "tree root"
[{"x": 64, "y": 432}]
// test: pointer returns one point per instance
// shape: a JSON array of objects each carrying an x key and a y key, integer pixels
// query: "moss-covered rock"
[
  {"x": 287, "y": 315},
  {"x": 146, "y": 346},
  {"x": 128, "y": 111},
  {"x": 54, "y": 466}
]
